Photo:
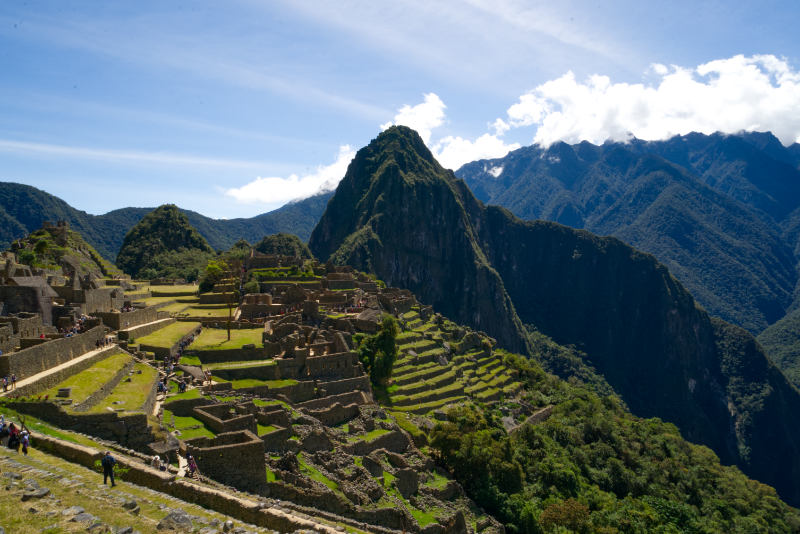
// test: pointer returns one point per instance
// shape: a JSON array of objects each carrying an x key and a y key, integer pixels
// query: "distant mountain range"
[
  {"x": 721, "y": 211},
  {"x": 23, "y": 209},
  {"x": 399, "y": 214}
]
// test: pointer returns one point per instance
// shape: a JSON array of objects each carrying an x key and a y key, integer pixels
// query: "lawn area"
[
  {"x": 266, "y": 429},
  {"x": 238, "y": 365},
  {"x": 167, "y": 336},
  {"x": 88, "y": 381},
  {"x": 253, "y": 382},
  {"x": 189, "y": 427},
  {"x": 217, "y": 339},
  {"x": 130, "y": 396},
  {"x": 185, "y": 289},
  {"x": 189, "y": 394},
  {"x": 207, "y": 310}
]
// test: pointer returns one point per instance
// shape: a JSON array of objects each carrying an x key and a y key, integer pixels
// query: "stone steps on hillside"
[
  {"x": 428, "y": 372},
  {"x": 452, "y": 390},
  {"x": 430, "y": 406},
  {"x": 439, "y": 380}
]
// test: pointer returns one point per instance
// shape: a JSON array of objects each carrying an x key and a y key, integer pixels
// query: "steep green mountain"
[
  {"x": 399, "y": 214},
  {"x": 23, "y": 209},
  {"x": 708, "y": 207},
  {"x": 285, "y": 245},
  {"x": 160, "y": 237},
  {"x": 781, "y": 342}
]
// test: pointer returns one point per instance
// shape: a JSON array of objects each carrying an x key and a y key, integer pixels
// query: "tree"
[{"x": 378, "y": 352}]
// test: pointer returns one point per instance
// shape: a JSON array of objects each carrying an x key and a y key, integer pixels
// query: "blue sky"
[{"x": 233, "y": 108}]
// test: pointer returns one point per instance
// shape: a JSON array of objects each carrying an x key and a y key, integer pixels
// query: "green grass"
[
  {"x": 168, "y": 336},
  {"x": 423, "y": 517},
  {"x": 266, "y": 429},
  {"x": 370, "y": 436},
  {"x": 253, "y": 382},
  {"x": 217, "y": 339},
  {"x": 188, "y": 394},
  {"x": 271, "y": 476},
  {"x": 184, "y": 289},
  {"x": 315, "y": 474},
  {"x": 207, "y": 310},
  {"x": 89, "y": 380},
  {"x": 189, "y": 427},
  {"x": 244, "y": 364},
  {"x": 130, "y": 396},
  {"x": 190, "y": 360}
]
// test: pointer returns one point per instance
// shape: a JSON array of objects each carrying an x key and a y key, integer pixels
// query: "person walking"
[
  {"x": 108, "y": 462},
  {"x": 25, "y": 439},
  {"x": 13, "y": 381}
]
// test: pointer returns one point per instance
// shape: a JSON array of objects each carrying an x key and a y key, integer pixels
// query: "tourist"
[
  {"x": 13, "y": 381},
  {"x": 13, "y": 437},
  {"x": 25, "y": 439},
  {"x": 155, "y": 462},
  {"x": 4, "y": 434},
  {"x": 5, "y": 384},
  {"x": 108, "y": 462},
  {"x": 191, "y": 465}
]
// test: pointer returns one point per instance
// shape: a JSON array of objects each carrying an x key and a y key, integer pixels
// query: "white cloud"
[
  {"x": 728, "y": 95},
  {"x": 114, "y": 155},
  {"x": 278, "y": 190},
  {"x": 423, "y": 117},
  {"x": 453, "y": 152}
]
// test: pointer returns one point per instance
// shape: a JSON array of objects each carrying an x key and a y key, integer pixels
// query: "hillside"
[
  {"x": 57, "y": 247},
  {"x": 164, "y": 232},
  {"x": 709, "y": 207},
  {"x": 284, "y": 245},
  {"x": 399, "y": 214},
  {"x": 23, "y": 209}
]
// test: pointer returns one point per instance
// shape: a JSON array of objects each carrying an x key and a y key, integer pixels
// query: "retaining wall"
[
  {"x": 145, "y": 329},
  {"x": 104, "y": 390},
  {"x": 33, "y": 360},
  {"x": 119, "y": 320},
  {"x": 50, "y": 380}
]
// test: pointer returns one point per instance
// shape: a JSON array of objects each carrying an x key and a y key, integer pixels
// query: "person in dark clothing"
[{"x": 108, "y": 462}]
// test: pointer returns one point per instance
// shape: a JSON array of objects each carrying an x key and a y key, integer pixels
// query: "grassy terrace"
[
  {"x": 420, "y": 384},
  {"x": 188, "y": 427},
  {"x": 131, "y": 395},
  {"x": 184, "y": 289},
  {"x": 167, "y": 336},
  {"x": 217, "y": 339},
  {"x": 88, "y": 381},
  {"x": 206, "y": 310},
  {"x": 239, "y": 365},
  {"x": 253, "y": 382}
]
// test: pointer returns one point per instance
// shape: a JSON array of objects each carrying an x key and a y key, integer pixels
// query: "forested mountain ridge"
[
  {"x": 23, "y": 209},
  {"x": 399, "y": 214},
  {"x": 718, "y": 210}
]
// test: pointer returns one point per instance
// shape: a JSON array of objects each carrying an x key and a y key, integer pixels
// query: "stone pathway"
[{"x": 57, "y": 368}]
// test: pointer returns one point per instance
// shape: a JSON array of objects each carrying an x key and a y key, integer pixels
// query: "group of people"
[
  {"x": 104, "y": 342},
  {"x": 78, "y": 328},
  {"x": 14, "y": 437},
  {"x": 9, "y": 382}
]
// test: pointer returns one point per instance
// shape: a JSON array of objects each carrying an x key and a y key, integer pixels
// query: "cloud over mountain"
[
  {"x": 727, "y": 95},
  {"x": 279, "y": 190}
]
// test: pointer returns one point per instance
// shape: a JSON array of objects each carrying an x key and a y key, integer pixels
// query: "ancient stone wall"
[
  {"x": 25, "y": 324},
  {"x": 335, "y": 387},
  {"x": 27, "y": 299},
  {"x": 8, "y": 341},
  {"x": 119, "y": 320},
  {"x": 233, "y": 458},
  {"x": 128, "y": 430},
  {"x": 145, "y": 329},
  {"x": 276, "y": 440},
  {"x": 352, "y": 397},
  {"x": 46, "y": 382},
  {"x": 334, "y": 415},
  {"x": 299, "y": 392},
  {"x": 42, "y": 357},
  {"x": 258, "y": 372},
  {"x": 219, "y": 418}
]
